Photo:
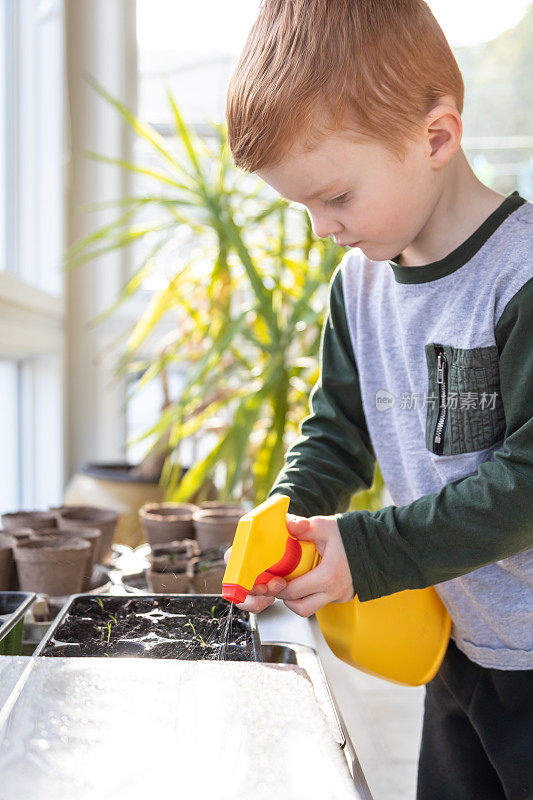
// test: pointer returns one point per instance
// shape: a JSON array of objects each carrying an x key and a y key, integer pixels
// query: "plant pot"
[
  {"x": 8, "y": 567},
  {"x": 119, "y": 486},
  {"x": 91, "y": 535},
  {"x": 29, "y": 519},
  {"x": 13, "y": 606},
  {"x": 218, "y": 505},
  {"x": 51, "y": 566},
  {"x": 82, "y": 517},
  {"x": 173, "y": 556},
  {"x": 207, "y": 576},
  {"x": 162, "y": 626},
  {"x": 168, "y": 582},
  {"x": 167, "y": 522},
  {"x": 8, "y": 570},
  {"x": 215, "y": 526}
]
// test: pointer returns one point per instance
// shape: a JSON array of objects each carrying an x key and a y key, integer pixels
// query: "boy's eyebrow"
[{"x": 324, "y": 190}]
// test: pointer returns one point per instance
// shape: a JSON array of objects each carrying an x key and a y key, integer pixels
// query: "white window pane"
[
  {"x": 41, "y": 432},
  {"x": 3, "y": 182},
  {"x": 40, "y": 59},
  {"x": 9, "y": 436}
]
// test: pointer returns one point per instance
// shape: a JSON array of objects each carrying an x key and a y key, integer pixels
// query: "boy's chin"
[{"x": 377, "y": 252}]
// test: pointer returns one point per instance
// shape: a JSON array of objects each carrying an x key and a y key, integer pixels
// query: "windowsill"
[{"x": 16, "y": 293}]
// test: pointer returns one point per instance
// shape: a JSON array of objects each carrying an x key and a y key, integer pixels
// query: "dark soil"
[{"x": 192, "y": 628}]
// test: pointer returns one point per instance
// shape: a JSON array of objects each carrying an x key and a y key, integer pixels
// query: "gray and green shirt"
[{"x": 429, "y": 371}]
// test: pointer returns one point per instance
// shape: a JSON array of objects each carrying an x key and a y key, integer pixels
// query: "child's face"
[{"x": 366, "y": 196}]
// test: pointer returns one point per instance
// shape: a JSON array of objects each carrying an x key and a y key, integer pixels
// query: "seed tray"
[{"x": 182, "y": 626}]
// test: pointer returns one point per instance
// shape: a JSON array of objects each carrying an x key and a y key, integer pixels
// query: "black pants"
[{"x": 477, "y": 739}]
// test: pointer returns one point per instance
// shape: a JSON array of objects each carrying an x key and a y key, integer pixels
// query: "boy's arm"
[
  {"x": 472, "y": 521},
  {"x": 333, "y": 456}
]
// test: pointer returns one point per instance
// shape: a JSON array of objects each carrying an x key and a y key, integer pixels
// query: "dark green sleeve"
[
  {"x": 333, "y": 456},
  {"x": 472, "y": 521}
]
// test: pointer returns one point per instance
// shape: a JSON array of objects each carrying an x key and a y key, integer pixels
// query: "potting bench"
[{"x": 123, "y": 727}]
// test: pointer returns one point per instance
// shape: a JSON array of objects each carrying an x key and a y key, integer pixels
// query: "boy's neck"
[{"x": 463, "y": 204}]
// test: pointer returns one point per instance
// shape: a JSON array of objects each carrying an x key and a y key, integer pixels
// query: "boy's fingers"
[
  {"x": 307, "y": 606},
  {"x": 273, "y": 587},
  {"x": 255, "y": 604},
  {"x": 276, "y": 585},
  {"x": 304, "y": 529},
  {"x": 259, "y": 589},
  {"x": 297, "y": 526},
  {"x": 307, "y": 584}
]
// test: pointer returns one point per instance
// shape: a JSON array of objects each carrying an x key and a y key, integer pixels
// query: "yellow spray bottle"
[{"x": 400, "y": 637}]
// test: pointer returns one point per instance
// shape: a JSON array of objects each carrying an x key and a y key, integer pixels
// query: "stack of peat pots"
[
  {"x": 214, "y": 526},
  {"x": 8, "y": 569},
  {"x": 49, "y": 554},
  {"x": 82, "y": 517},
  {"x": 188, "y": 544}
]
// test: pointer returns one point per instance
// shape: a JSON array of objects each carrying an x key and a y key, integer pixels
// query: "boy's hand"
[
  {"x": 262, "y": 596},
  {"x": 329, "y": 582}
]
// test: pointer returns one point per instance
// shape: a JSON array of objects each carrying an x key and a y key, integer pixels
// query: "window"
[
  {"x": 31, "y": 97},
  {"x": 31, "y": 243}
]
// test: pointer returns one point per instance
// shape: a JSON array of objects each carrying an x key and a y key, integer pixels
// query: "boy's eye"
[{"x": 342, "y": 198}]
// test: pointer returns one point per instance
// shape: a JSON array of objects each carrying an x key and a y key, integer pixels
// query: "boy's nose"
[{"x": 324, "y": 226}]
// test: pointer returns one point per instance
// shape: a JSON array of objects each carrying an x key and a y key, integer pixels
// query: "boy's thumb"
[{"x": 299, "y": 527}]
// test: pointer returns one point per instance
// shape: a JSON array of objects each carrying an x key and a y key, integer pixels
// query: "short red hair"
[{"x": 377, "y": 66}]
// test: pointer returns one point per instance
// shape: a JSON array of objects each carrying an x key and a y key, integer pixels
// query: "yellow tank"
[{"x": 401, "y": 637}]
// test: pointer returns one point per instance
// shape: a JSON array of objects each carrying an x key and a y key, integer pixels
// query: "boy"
[{"x": 352, "y": 108}]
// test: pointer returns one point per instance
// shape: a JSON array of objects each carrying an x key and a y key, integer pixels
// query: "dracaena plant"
[{"x": 246, "y": 304}]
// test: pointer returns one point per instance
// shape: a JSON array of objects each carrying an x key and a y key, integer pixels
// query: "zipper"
[{"x": 442, "y": 383}]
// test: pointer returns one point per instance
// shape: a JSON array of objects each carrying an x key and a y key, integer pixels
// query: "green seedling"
[
  {"x": 192, "y": 626},
  {"x": 106, "y": 629},
  {"x": 213, "y": 611},
  {"x": 202, "y": 641},
  {"x": 99, "y": 601},
  {"x": 112, "y": 616}
]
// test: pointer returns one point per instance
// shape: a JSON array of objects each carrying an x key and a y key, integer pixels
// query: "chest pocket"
[{"x": 464, "y": 406}]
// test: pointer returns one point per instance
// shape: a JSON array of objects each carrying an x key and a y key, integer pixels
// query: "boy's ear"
[{"x": 444, "y": 129}]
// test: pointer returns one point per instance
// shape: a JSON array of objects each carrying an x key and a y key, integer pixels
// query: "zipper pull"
[{"x": 440, "y": 369}]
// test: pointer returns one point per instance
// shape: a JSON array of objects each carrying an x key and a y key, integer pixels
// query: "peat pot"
[
  {"x": 167, "y": 522},
  {"x": 188, "y": 627},
  {"x": 8, "y": 568},
  {"x": 7, "y": 564},
  {"x": 219, "y": 505},
  {"x": 82, "y": 517},
  {"x": 51, "y": 565},
  {"x": 215, "y": 526},
  {"x": 170, "y": 567},
  {"x": 207, "y": 570},
  {"x": 124, "y": 488},
  {"x": 29, "y": 519},
  {"x": 91, "y": 535}
]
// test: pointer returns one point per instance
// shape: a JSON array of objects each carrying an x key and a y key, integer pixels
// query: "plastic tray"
[{"x": 13, "y": 606}]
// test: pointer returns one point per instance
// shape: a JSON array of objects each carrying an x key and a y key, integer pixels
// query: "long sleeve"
[
  {"x": 333, "y": 456},
  {"x": 473, "y": 521}
]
